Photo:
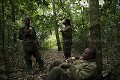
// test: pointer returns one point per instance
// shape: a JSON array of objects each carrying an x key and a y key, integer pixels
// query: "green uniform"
[
  {"x": 67, "y": 41},
  {"x": 81, "y": 70},
  {"x": 30, "y": 47}
]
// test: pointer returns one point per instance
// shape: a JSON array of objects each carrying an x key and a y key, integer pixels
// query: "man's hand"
[
  {"x": 29, "y": 31},
  {"x": 60, "y": 30},
  {"x": 65, "y": 65},
  {"x": 70, "y": 60}
]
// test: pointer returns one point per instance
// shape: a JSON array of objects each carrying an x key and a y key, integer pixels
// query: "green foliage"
[
  {"x": 110, "y": 35},
  {"x": 41, "y": 14}
]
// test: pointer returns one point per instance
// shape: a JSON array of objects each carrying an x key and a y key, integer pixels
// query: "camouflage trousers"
[
  {"x": 57, "y": 73},
  {"x": 67, "y": 50},
  {"x": 29, "y": 54},
  {"x": 31, "y": 49}
]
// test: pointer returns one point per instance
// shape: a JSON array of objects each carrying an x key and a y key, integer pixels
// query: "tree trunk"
[
  {"x": 13, "y": 20},
  {"x": 95, "y": 32},
  {"x": 0, "y": 30},
  {"x": 3, "y": 42},
  {"x": 117, "y": 24},
  {"x": 3, "y": 36},
  {"x": 55, "y": 26},
  {"x": 118, "y": 35}
]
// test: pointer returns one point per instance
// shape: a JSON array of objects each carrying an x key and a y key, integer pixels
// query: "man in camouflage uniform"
[
  {"x": 66, "y": 31},
  {"x": 84, "y": 69},
  {"x": 30, "y": 44}
]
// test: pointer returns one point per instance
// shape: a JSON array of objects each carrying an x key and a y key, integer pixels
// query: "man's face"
[
  {"x": 64, "y": 22},
  {"x": 86, "y": 55},
  {"x": 27, "y": 21}
]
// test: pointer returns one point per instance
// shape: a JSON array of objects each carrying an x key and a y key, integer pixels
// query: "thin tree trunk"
[
  {"x": 13, "y": 20},
  {"x": 118, "y": 35},
  {"x": 3, "y": 36},
  {"x": 0, "y": 30},
  {"x": 117, "y": 24},
  {"x": 95, "y": 32},
  {"x": 55, "y": 26},
  {"x": 3, "y": 41}
]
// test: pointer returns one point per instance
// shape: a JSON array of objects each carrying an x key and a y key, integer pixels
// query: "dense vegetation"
[{"x": 46, "y": 17}]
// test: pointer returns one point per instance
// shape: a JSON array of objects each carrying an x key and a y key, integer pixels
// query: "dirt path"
[{"x": 51, "y": 55}]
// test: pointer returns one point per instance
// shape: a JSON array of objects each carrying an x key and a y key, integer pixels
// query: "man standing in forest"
[
  {"x": 66, "y": 31},
  {"x": 30, "y": 44}
]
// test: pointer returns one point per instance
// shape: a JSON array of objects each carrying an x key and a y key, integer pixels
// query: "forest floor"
[
  {"x": 48, "y": 57},
  {"x": 18, "y": 68}
]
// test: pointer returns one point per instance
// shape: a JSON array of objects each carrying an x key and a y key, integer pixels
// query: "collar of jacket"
[{"x": 91, "y": 60}]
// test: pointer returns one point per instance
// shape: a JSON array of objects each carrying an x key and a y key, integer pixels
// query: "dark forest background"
[{"x": 94, "y": 23}]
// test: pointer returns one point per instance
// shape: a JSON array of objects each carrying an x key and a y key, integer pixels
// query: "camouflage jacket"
[
  {"x": 67, "y": 36},
  {"x": 26, "y": 37},
  {"x": 30, "y": 42},
  {"x": 82, "y": 70}
]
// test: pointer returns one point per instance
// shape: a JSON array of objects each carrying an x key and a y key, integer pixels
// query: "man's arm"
[
  {"x": 87, "y": 72},
  {"x": 24, "y": 32},
  {"x": 35, "y": 37},
  {"x": 65, "y": 65},
  {"x": 21, "y": 32}
]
